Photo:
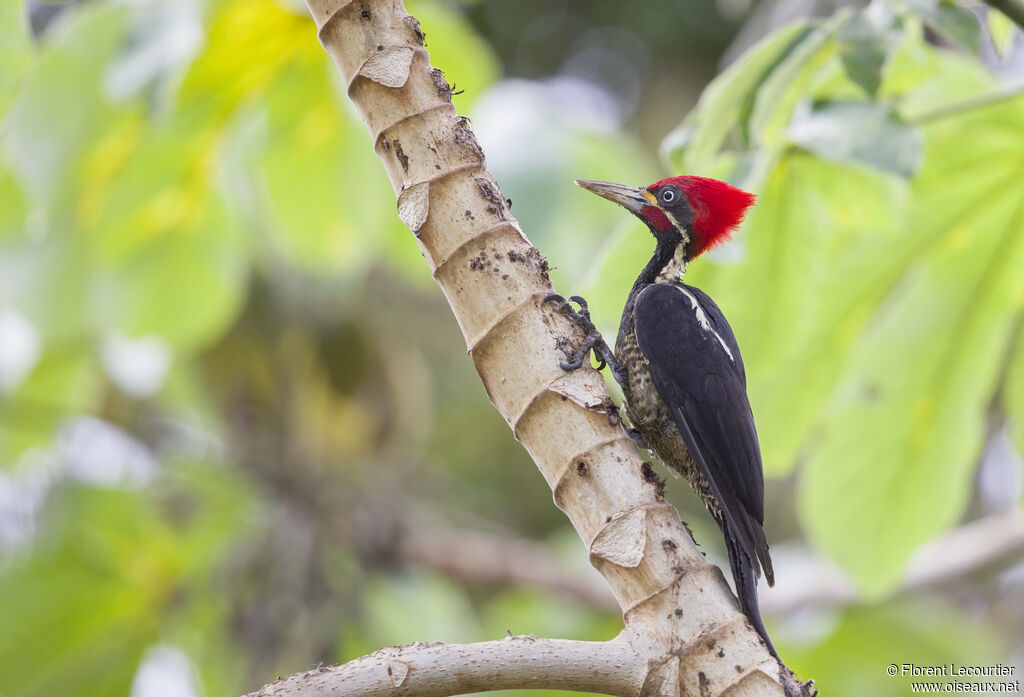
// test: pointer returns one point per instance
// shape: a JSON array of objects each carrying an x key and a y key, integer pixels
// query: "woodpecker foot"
[{"x": 593, "y": 340}]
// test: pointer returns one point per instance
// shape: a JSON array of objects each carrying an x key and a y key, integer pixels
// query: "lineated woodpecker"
[{"x": 680, "y": 369}]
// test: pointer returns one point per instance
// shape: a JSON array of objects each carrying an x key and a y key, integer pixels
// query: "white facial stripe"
[
  {"x": 702, "y": 319},
  {"x": 680, "y": 228},
  {"x": 668, "y": 214},
  {"x": 671, "y": 218}
]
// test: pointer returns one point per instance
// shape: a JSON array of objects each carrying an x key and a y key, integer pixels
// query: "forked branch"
[
  {"x": 684, "y": 633},
  {"x": 438, "y": 670}
]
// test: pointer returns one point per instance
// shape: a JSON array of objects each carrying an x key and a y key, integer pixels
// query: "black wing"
[{"x": 696, "y": 368}]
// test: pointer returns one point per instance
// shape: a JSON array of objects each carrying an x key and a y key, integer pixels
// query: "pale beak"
[{"x": 633, "y": 198}]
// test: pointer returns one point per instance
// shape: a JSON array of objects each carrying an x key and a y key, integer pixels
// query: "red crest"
[{"x": 718, "y": 208}]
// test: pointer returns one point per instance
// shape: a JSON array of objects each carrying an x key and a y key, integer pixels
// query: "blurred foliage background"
[{"x": 239, "y": 434}]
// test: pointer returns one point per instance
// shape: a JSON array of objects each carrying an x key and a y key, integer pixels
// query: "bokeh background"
[{"x": 239, "y": 434}]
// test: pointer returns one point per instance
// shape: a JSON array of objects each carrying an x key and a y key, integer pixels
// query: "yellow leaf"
[{"x": 250, "y": 43}]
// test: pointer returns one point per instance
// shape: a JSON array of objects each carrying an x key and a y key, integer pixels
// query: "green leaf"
[
  {"x": 249, "y": 43},
  {"x": 319, "y": 189},
  {"x": 46, "y": 136},
  {"x": 107, "y": 569},
  {"x": 916, "y": 632},
  {"x": 951, "y": 21},
  {"x": 186, "y": 288},
  {"x": 75, "y": 629},
  {"x": 923, "y": 80},
  {"x": 898, "y": 446},
  {"x": 16, "y": 51},
  {"x": 866, "y": 40},
  {"x": 61, "y": 384},
  {"x": 860, "y": 133},
  {"x": 1001, "y": 30},
  {"x": 169, "y": 256},
  {"x": 791, "y": 81},
  {"x": 45, "y": 275},
  {"x": 817, "y": 246},
  {"x": 726, "y": 102},
  {"x": 1014, "y": 388},
  {"x": 418, "y": 605},
  {"x": 87, "y": 600},
  {"x": 13, "y": 209}
]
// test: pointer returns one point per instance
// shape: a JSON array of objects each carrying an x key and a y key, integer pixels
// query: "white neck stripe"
[{"x": 702, "y": 319}]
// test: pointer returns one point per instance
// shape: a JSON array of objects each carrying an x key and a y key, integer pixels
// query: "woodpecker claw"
[
  {"x": 565, "y": 306},
  {"x": 584, "y": 307},
  {"x": 593, "y": 341},
  {"x": 575, "y": 358},
  {"x": 581, "y": 317}
]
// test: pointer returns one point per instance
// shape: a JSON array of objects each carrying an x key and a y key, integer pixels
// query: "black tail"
[{"x": 746, "y": 587}]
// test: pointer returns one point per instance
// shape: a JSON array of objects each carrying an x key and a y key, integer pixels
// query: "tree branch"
[
  {"x": 498, "y": 560},
  {"x": 957, "y": 554},
  {"x": 437, "y": 670},
  {"x": 966, "y": 550},
  {"x": 682, "y": 622},
  {"x": 805, "y": 581}
]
